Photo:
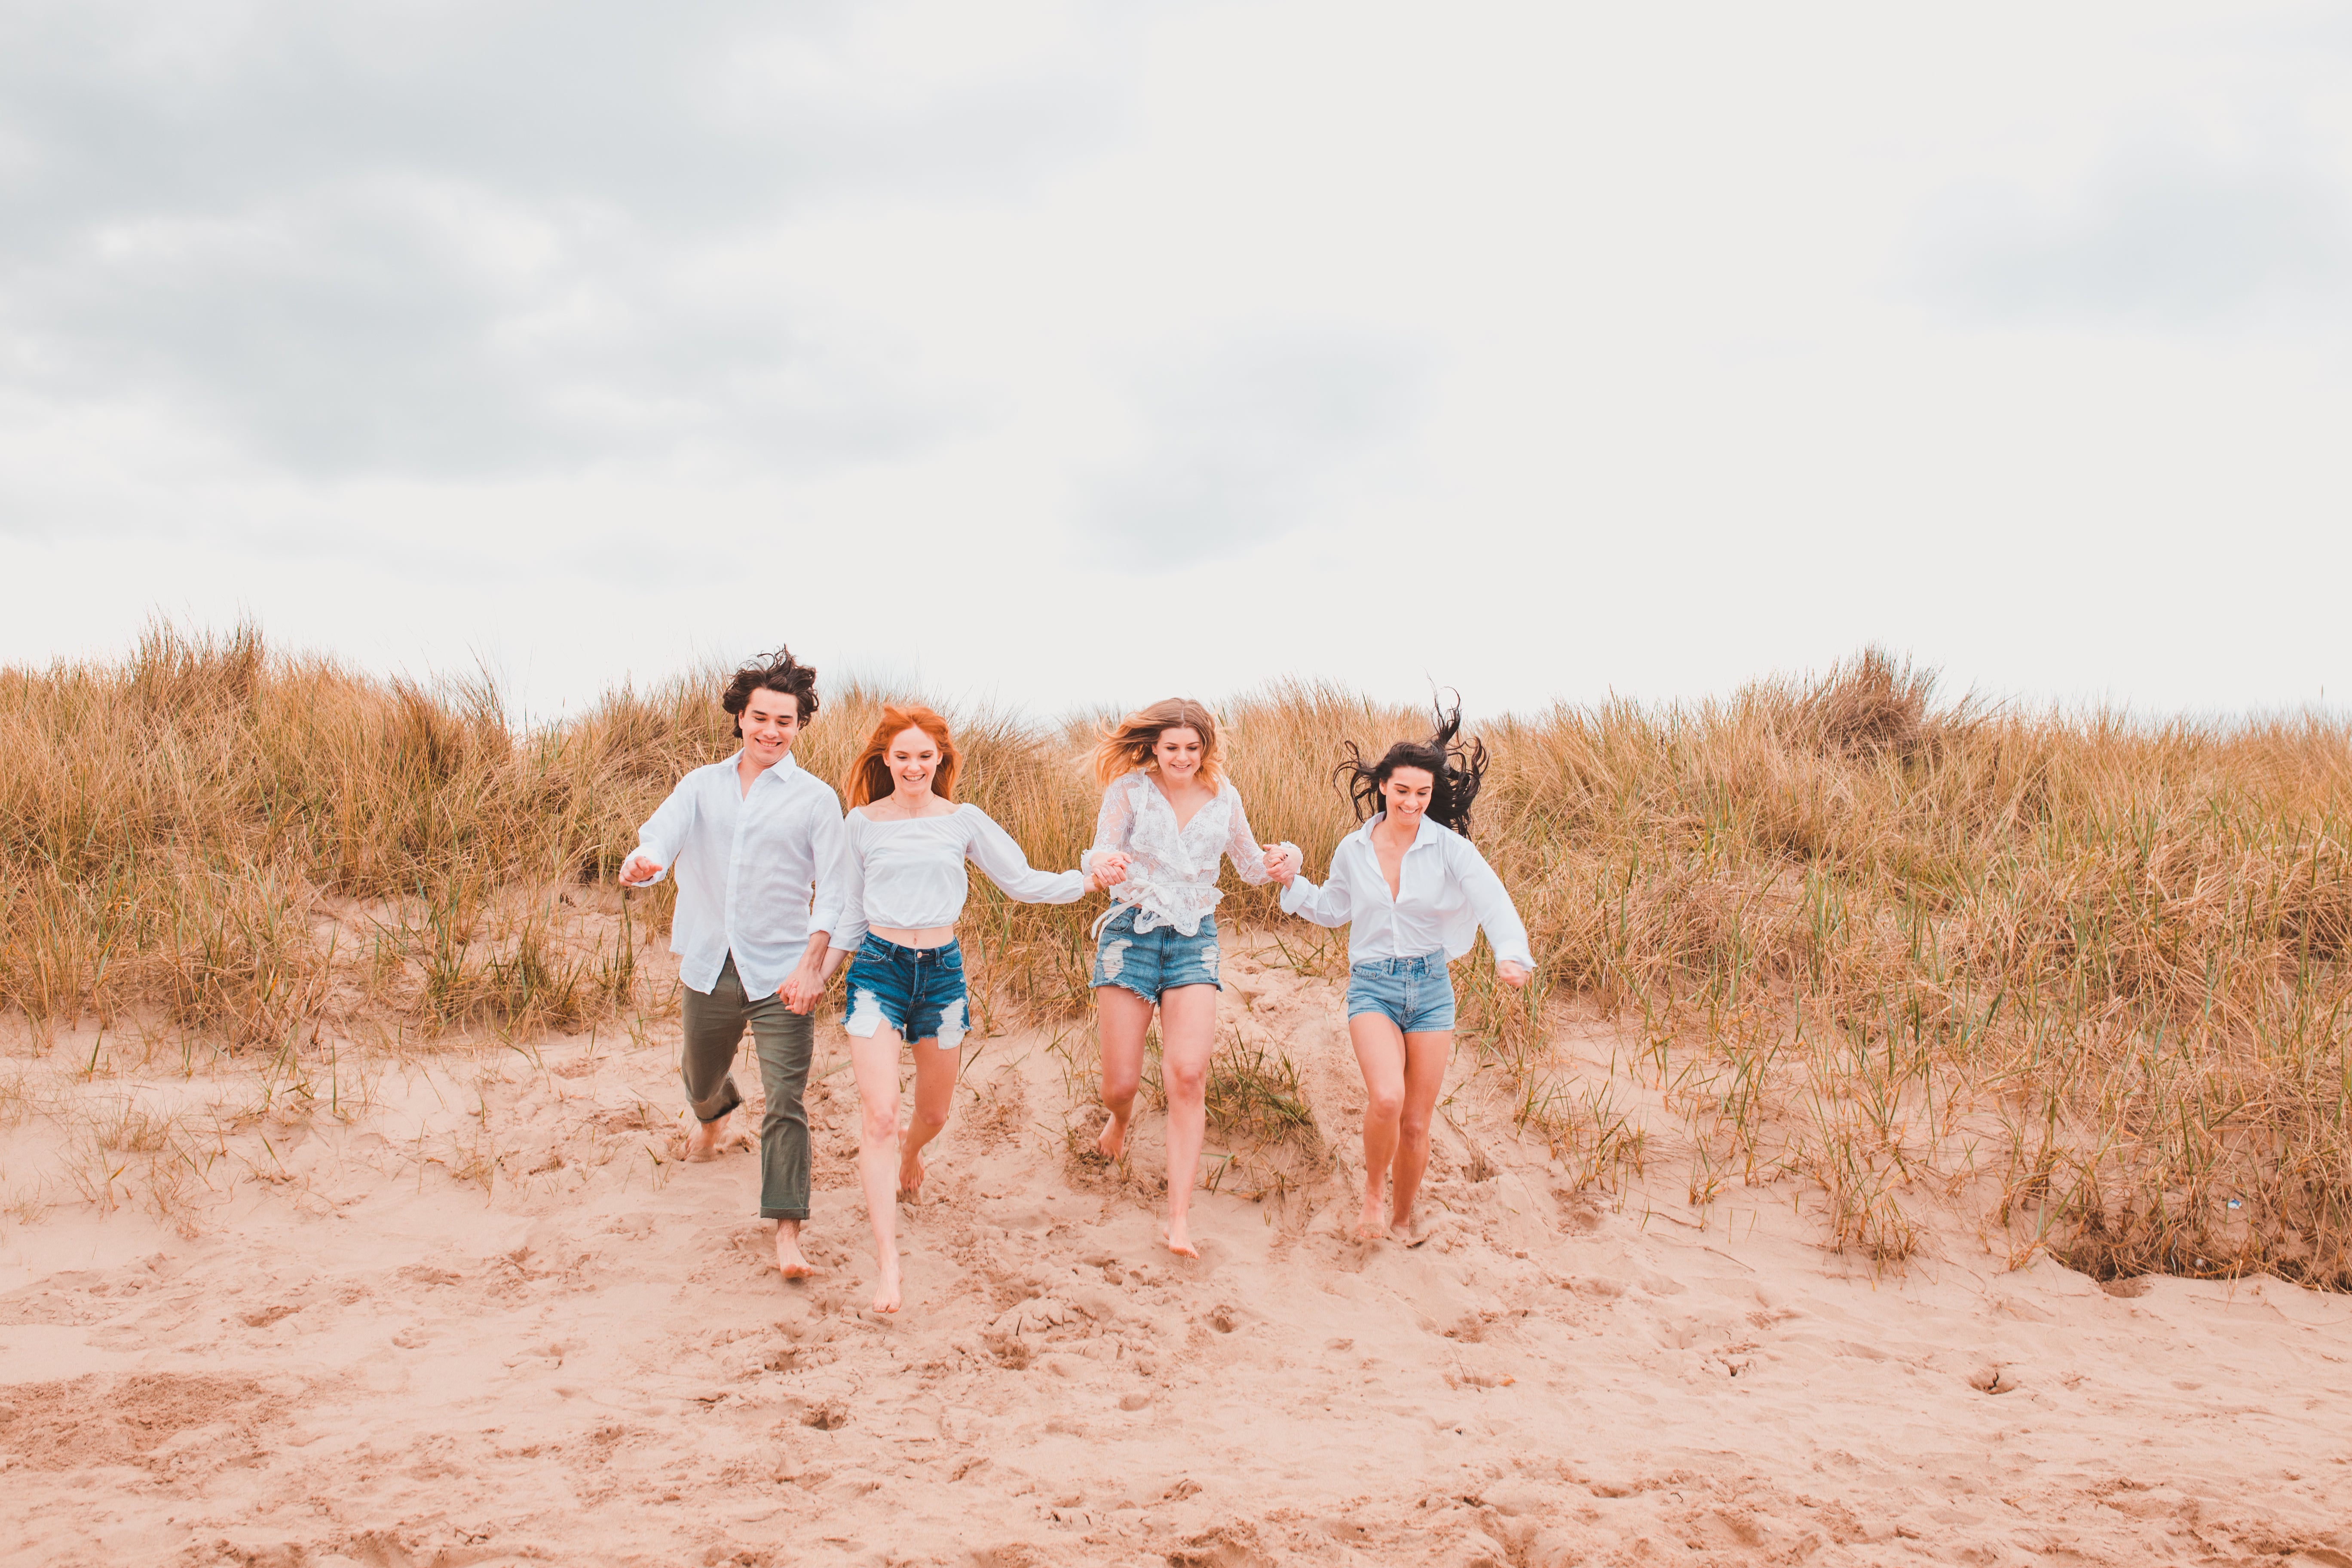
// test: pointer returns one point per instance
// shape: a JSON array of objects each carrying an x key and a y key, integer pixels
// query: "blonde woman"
[
  {"x": 1172, "y": 816},
  {"x": 898, "y": 883}
]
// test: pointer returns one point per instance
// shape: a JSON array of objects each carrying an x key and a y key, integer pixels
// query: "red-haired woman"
[
  {"x": 898, "y": 882},
  {"x": 1171, "y": 814}
]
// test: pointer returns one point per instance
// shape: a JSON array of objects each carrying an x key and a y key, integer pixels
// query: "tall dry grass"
[{"x": 2094, "y": 967}]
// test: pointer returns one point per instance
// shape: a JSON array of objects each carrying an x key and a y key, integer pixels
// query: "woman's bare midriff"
[{"x": 929, "y": 936}]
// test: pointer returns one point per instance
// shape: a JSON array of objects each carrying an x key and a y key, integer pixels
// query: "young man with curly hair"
[{"x": 750, "y": 839}]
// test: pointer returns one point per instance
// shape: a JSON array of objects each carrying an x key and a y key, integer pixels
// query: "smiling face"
[
  {"x": 769, "y": 723},
  {"x": 1404, "y": 795},
  {"x": 912, "y": 757},
  {"x": 1178, "y": 754}
]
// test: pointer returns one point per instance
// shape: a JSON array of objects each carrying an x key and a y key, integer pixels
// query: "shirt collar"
[
  {"x": 783, "y": 765},
  {"x": 1426, "y": 833}
]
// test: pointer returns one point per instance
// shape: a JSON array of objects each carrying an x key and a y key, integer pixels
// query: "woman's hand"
[
  {"x": 1281, "y": 863},
  {"x": 1109, "y": 871},
  {"x": 804, "y": 987},
  {"x": 637, "y": 872},
  {"x": 1510, "y": 974}
]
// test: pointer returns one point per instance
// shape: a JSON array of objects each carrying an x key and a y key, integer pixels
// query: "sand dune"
[{"x": 486, "y": 1318}]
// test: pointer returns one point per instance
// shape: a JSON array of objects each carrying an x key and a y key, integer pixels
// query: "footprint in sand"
[{"x": 1992, "y": 1378}]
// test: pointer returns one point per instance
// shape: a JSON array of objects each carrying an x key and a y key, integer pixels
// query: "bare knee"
[
  {"x": 928, "y": 1122},
  {"x": 1186, "y": 1083},
  {"x": 880, "y": 1124},
  {"x": 1413, "y": 1128},
  {"x": 1384, "y": 1106}
]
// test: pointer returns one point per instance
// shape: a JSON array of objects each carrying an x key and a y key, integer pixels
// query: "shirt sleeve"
[
  {"x": 839, "y": 910},
  {"x": 1113, "y": 822},
  {"x": 1506, "y": 933},
  {"x": 991, "y": 849},
  {"x": 1241, "y": 847},
  {"x": 664, "y": 833},
  {"x": 1332, "y": 904}
]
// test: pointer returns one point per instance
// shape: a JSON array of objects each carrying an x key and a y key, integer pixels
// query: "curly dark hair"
[
  {"x": 1455, "y": 769},
  {"x": 778, "y": 672}
]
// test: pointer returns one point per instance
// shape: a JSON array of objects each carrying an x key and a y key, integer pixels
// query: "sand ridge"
[{"x": 491, "y": 1319}]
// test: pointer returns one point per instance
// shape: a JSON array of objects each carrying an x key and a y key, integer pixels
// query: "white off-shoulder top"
[
  {"x": 908, "y": 874},
  {"x": 1171, "y": 870}
]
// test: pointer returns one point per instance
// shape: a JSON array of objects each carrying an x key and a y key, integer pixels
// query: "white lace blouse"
[
  {"x": 1171, "y": 870},
  {"x": 908, "y": 874}
]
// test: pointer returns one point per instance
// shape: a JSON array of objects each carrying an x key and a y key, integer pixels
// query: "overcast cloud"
[{"x": 1080, "y": 354}]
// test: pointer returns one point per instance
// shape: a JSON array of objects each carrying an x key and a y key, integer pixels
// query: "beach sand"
[{"x": 468, "y": 1308}]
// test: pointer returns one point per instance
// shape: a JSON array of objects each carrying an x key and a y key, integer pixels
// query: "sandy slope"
[{"x": 575, "y": 1354}]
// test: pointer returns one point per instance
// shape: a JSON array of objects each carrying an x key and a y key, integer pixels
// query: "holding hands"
[
  {"x": 1109, "y": 871},
  {"x": 803, "y": 989},
  {"x": 1281, "y": 863}
]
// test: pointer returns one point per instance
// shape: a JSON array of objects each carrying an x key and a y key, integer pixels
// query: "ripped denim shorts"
[
  {"x": 1148, "y": 963},
  {"x": 917, "y": 991}
]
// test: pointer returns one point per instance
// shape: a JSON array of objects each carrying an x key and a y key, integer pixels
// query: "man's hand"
[
  {"x": 1109, "y": 871},
  {"x": 637, "y": 872},
  {"x": 1510, "y": 974},
  {"x": 801, "y": 990}
]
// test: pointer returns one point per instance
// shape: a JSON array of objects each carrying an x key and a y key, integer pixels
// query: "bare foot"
[
  {"x": 1112, "y": 1142},
  {"x": 1372, "y": 1224},
  {"x": 885, "y": 1294},
  {"x": 1409, "y": 1232},
  {"x": 1178, "y": 1242},
  {"x": 710, "y": 1138},
  {"x": 789, "y": 1261},
  {"x": 910, "y": 1179}
]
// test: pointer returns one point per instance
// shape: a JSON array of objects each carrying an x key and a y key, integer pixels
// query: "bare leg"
[
  {"x": 1187, "y": 1038},
  {"x": 875, "y": 1060},
  {"x": 935, "y": 1081},
  {"x": 709, "y": 1138},
  {"x": 1380, "y": 1053},
  {"x": 789, "y": 1261},
  {"x": 1425, "y": 1058},
  {"x": 1123, "y": 1018}
]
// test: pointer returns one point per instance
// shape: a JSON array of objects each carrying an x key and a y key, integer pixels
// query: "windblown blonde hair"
[
  {"x": 869, "y": 776},
  {"x": 1125, "y": 747}
]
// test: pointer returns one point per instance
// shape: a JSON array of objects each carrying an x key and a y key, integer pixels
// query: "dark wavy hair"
[
  {"x": 1455, "y": 768},
  {"x": 778, "y": 672}
]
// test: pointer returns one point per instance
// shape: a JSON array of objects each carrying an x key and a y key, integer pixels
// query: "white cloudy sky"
[{"x": 1062, "y": 353}]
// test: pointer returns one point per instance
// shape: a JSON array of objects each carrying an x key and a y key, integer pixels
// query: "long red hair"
[{"x": 869, "y": 776}]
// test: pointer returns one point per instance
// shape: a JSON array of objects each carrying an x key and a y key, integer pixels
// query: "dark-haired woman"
[
  {"x": 897, "y": 885},
  {"x": 1412, "y": 890}
]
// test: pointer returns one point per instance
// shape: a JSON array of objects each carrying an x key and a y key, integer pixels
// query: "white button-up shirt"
[
  {"x": 1445, "y": 891},
  {"x": 746, "y": 863}
]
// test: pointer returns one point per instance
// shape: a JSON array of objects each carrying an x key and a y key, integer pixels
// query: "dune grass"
[{"x": 2091, "y": 970}]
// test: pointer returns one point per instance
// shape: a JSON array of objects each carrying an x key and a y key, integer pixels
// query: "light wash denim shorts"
[
  {"x": 917, "y": 991},
  {"x": 1416, "y": 994},
  {"x": 1161, "y": 959}
]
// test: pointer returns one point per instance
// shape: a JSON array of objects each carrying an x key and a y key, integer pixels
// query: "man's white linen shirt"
[
  {"x": 746, "y": 865},
  {"x": 1445, "y": 891}
]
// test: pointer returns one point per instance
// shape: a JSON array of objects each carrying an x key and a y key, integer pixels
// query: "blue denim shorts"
[
  {"x": 1416, "y": 994},
  {"x": 917, "y": 991},
  {"x": 1161, "y": 959}
]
